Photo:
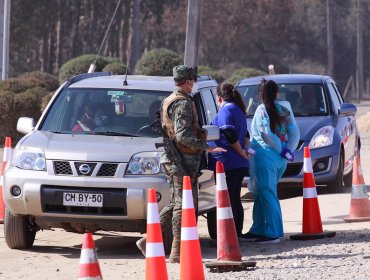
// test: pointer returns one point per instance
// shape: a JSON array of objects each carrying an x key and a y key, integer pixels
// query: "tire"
[
  {"x": 18, "y": 232},
  {"x": 212, "y": 224},
  {"x": 337, "y": 186},
  {"x": 348, "y": 179}
]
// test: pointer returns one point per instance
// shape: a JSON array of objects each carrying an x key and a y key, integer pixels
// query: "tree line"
[{"x": 292, "y": 35}]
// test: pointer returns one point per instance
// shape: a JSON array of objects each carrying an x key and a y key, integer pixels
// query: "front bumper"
[
  {"x": 124, "y": 197},
  {"x": 327, "y": 156}
]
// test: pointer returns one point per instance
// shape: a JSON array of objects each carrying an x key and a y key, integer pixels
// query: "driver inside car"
[
  {"x": 152, "y": 114},
  {"x": 93, "y": 117},
  {"x": 310, "y": 101}
]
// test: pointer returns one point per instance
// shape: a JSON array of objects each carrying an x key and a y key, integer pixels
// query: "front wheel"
[
  {"x": 337, "y": 185},
  {"x": 348, "y": 179},
  {"x": 18, "y": 232}
]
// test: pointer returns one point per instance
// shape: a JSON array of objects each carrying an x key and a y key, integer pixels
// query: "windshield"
[
  {"x": 305, "y": 99},
  {"x": 104, "y": 111}
]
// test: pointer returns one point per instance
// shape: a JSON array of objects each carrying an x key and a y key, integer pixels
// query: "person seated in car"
[
  {"x": 93, "y": 117},
  {"x": 152, "y": 114},
  {"x": 310, "y": 101},
  {"x": 154, "y": 109}
]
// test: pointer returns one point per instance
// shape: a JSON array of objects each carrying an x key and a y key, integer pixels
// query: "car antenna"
[
  {"x": 291, "y": 65},
  {"x": 125, "y": 81}
]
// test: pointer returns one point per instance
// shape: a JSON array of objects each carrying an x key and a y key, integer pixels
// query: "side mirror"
[
  {"x": 347, "y": 109},
  {"x": 25, "y": 125},
  {"x": 213, "y": 132}
]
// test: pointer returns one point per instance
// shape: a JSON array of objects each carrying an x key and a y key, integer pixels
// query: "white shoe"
[{"x": 267, "y": 240}]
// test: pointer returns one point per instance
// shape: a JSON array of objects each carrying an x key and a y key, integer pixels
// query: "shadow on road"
[
  {"x": 259, "y": 251},
  {"x": 124, "y": 247},
  {"x": 107, "y": 247}
]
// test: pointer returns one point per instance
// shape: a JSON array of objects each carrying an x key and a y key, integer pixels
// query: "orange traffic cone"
[
  {"x": 89, "y": 265},
  {"x": 155, "y": 257},
  {"x": 360, "y": 205},
  {"x": 227, "y": 240},
  {"x": 228, "y": 250},
  {"x": 191, "y": 265},
  {"x": 7, "y": 155},
  {"x": 312, "y": 226}
]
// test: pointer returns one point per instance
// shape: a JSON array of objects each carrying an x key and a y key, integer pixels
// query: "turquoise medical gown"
[{"x": 267, "y": 167}]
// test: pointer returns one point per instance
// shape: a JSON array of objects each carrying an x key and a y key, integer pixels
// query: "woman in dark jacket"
[{"x": 234, "y": 136}]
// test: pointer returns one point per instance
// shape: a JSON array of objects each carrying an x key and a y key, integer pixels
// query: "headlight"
[
  {"x": 147, "y": 163},
  {"x": 29, "y": 158},
  {"x": 323, "y": 137}
]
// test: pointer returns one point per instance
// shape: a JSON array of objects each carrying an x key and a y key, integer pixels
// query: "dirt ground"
[
  {"x": 55, "y": 254},
  {"x": 363, "y": 117},
  {"x": 364, "y": 123}
]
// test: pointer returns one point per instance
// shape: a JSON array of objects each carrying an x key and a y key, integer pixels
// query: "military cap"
[{"x": 183, "y": 72}]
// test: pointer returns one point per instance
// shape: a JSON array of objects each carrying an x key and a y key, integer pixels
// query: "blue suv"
[{"x": 327, "y": 125}]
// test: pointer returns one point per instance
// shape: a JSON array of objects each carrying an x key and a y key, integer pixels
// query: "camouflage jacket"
[{"x": 181, "y": 114}]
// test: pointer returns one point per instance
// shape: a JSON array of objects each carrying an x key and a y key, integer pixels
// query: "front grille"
[
  {"x": 85, "y": 168},
  {"x": 114, "y": 201},
  {"x": 107, "y": 170},
  {"x": 293, "y": 169},
  {"x": 90, "y": 165},
  {"x": 62, "y": 168}
]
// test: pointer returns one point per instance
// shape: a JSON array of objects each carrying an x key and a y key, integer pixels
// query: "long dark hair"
[
  {"x": 228, "y": 93},
  {"x": 268, "y": 90}
]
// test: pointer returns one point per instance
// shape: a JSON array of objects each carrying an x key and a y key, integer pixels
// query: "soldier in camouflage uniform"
[{"x": 180, "y": 122}]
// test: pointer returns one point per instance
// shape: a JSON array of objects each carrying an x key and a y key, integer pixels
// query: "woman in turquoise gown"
[{"x": 274, "y": 137}]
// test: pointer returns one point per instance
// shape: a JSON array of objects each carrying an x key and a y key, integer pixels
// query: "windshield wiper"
[
  {"x": 112, "y": 133},
  {"x": 302, "y": 115}
]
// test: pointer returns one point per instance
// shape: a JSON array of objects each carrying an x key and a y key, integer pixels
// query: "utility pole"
[
  {"x": 359, "y": 66},
  {"x": 136, "y": 34},
  {"x": 192, "y": 33},
  {"x": 1, "y": 35},
  {"x": 329, "y": 37},
  {"x": 5, "y": 40}
]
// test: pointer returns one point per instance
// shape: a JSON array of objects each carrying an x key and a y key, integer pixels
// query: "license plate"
[{"x": 82, "y": 199}]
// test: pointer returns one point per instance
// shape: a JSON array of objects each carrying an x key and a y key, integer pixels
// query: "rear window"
[
  {"x": 305, "y": 99},
  {"x": 110, "y": 111}
]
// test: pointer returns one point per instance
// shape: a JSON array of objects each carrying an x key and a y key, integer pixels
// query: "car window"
[
  {"x": 250, "y": 97},
  {"x": 104, "y": 111},
  {"x": 334, "y": 98},
  {"x": 202, "y": 118},
  {"x": 305, "y": 99},
  {"x": 209, "y": 103},
  {"x": 339, "y": 95}
]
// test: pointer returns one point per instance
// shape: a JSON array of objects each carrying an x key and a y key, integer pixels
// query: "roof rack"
[
  {"x": 204, "y": 78},
  {"x": 85, "y": 76}
]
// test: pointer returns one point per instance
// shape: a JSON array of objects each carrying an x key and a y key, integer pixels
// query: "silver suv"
[{"x": 88, "y": 162}]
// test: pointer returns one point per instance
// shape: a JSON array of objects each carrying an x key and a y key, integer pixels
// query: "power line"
[{"x": 106, "y": 32}]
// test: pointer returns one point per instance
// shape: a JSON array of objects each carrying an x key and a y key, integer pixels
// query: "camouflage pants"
[{"x": 170, "y": 215}]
